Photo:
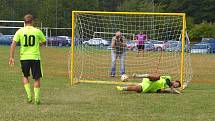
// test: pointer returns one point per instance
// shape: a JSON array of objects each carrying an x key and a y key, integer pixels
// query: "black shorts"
[
  {"x": 140, "y": 47},
  {"x": 35, "y": 67}
]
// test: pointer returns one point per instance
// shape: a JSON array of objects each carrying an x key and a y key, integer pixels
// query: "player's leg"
[
  {"x": 37, "y": 91},
  {"x": 141, "y": 87},
  {"x": 25, "y": 65},
  {"x": 138, "y": 50},
  {"x": 122, "y": 63},
  {"x": 140, "y": 75},
  {"x": 142, "y": 48},
  {"x": 37, "y": 74},
  {"x": 136, "y": 88},
  {"x": 152, "y": 77},
  {"x": 113, "y": 63}
]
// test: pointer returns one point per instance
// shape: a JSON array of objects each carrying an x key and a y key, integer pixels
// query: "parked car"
[
  {"x": 211, "y": 41},
  {"x": 148, "y": 46},
  {"x": 131, "y": 45},
  {"x": 172, "y": 46},
  {"x": 97, "y": 42},
  {"x": 201, "y": 48},
  {"x": 159, "y": 45},
  {"x": 6, "y": 39},
  {"x": 66, "y": 37},
  {"x": 77, "y": 41},
  {"x": 57, "y": 41}
]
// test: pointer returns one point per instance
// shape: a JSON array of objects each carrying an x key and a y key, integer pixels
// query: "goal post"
[
  {"x": 8, "y": 27},
  {"x": 92, "y": 63}
]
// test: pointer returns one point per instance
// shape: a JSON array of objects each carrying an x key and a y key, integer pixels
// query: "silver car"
[
  {"x": 97, "y": 42},
  {"x": 201, "y": 48}
]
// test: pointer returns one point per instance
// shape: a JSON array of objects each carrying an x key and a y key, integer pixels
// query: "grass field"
[{"x": 90, "y": 102}]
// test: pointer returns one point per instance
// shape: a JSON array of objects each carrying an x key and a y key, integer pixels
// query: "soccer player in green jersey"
[
  {"x": 30, "y": 39},
  {"x": 153, "y": 83}
]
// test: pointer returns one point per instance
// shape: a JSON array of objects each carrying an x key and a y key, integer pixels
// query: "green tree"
[
  {"x": 200, "y": 10},
  {"x": 203, "y": 30},
  {"x": 109, "y": 5},
  {"x": 85, "y": 4},
  {"x": 140, "y": 6}
]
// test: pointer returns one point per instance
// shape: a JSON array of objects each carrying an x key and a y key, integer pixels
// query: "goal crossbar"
[{"x": 129, "y": 13}]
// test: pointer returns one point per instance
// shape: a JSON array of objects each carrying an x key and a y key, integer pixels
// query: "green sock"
[
  {"x": 28, "y": 90},
  {"x": 37, "y": 93}
]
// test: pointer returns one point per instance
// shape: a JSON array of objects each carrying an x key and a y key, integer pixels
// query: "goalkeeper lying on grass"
[{"x": 153, "y": 83}]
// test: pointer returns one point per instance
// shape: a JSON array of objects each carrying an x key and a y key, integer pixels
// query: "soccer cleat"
[
  {"x": 119, "y": 88},
  {"x": 29, "y": 99},
  {"x": 37, "y": 101},
  {"x": 112, "y": 75}
]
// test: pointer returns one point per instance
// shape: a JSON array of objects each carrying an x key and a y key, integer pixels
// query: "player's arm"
[
  {"x": 42, "y": 39},
  {"x": 169, "y": 90},
  {"x": 135, "y": 38},
  {"x": 113, "y": 42},
  {"x": 147, "y": 38},
  {"x": 124, "y": 41},
  {"x": 42, "y": 43},
  {"x": 12, "y": 50}
]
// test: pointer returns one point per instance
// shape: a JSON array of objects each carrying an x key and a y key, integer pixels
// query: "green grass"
[{"x": 90, "y": 102}]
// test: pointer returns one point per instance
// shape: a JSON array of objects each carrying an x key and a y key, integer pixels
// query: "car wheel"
[
  {"x": 101, "y": 45},
  {"x": 86, "y": 44},
  {"x": 135, "y": 49},
  {"x": 159, "y": 49},
  {"x": 60, "y": 44}
]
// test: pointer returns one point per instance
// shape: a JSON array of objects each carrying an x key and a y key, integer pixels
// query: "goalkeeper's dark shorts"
[
  {"x": 140, "y": 47},
  {"x": 34, "y": 66}
]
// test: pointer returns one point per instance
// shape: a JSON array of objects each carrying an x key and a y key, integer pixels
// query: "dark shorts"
[
  {"x": 140, "y": 47},
  {"x": 34, "y": 66}
]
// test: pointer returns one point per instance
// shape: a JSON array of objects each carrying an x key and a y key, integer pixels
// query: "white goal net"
[{"x": 166, "y": 49}]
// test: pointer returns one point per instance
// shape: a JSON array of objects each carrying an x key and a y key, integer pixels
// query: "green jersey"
[
  {"x": 155, "y": 86},
  {"x": 30, "y": 39}
]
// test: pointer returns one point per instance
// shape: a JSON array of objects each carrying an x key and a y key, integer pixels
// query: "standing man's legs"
[
  {"x": 122, "y": 63},
  {"x": 113, "y": 63}
]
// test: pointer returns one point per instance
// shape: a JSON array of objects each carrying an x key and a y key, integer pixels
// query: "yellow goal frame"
[{"x": 125, "y": 13}]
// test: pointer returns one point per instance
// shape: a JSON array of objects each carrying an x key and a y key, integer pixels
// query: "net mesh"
[{"x": 93, "y": 61}]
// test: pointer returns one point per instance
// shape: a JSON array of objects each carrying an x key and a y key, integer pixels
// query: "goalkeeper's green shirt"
[
  {"x": 30, "y": 39},
  {"x": 155, "y": 86}
]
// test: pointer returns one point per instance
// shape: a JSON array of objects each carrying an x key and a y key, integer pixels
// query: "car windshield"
[
  {"x": 158, "y": 42},
  {"x": 148, "y": 45},
  {"x": 199, "y": 47},
  {"x": 130, "y": 42},
  {"x": 173, "y": 45}
]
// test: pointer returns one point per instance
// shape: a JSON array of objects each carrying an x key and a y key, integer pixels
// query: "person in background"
[
  {"x": 118, "y": 50},
  {"x": 140, "y": 40}
]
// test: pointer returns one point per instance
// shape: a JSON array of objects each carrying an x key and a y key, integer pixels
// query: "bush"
[{"x": 203, "y": 30}]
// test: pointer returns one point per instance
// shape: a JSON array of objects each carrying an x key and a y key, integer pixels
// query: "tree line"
[{"x": 57, "y": 13}]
